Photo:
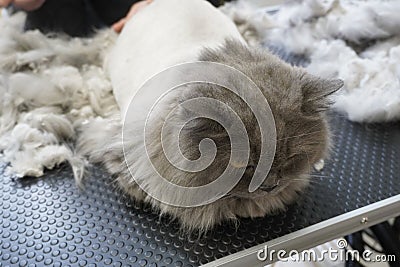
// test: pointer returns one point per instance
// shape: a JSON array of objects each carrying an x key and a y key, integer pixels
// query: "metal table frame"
[{"x": 317, "y": 234}]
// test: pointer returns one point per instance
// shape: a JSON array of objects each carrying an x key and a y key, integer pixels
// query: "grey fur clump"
[{"x": 298, "y": 102}]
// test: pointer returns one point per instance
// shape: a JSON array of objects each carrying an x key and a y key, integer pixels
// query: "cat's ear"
[{"x": 316, "y": 92}]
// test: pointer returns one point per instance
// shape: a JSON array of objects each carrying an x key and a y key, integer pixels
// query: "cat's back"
[{"x": 165, "y": 33}]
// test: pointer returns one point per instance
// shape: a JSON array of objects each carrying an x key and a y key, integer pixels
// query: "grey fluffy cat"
[{"x": 298, "y": 102}]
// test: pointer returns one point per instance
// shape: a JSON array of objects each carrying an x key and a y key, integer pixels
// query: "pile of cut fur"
[
  {"x": 356, "y": 41},
  {"x": 49, "y": 88}
]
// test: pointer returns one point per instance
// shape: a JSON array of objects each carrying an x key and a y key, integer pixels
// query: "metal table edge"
[{"x": 317, "y": 234}]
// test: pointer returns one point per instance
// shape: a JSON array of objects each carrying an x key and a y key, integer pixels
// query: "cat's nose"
[
  {"x": 249, "y": 172},
  {"x": 250, "y": 168}
]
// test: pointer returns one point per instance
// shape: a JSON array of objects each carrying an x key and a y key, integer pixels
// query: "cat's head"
[{"x": 298, "y": 102}]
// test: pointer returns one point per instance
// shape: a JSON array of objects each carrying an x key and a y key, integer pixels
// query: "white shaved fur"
[{"x": 138, "y": 54}]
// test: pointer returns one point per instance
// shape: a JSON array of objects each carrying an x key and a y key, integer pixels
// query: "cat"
[{"x": 167, "y": 33}]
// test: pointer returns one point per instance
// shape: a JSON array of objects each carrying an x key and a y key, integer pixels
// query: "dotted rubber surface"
[{"x": 48, "y": 221}]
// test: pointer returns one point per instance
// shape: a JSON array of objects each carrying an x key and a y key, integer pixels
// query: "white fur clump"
[
  {"x": 372, "y": 87},
  {"x": 50, "y": 87},
  {"x": 335, "y": 36},
  {"x": 302, "y": 24},
  {"x": 250, "y": 21}
]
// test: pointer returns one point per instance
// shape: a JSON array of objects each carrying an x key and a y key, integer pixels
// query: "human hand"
[
  {"x": 119, "y": 25},
  {"x": 27, "y": 5}
]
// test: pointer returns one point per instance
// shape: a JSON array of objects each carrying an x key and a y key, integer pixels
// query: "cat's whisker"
[
  {"x": 315, "y": 182},
  {"x": 296, "y": 136},
  {"x": 321, "y": 176},
  {"x": 308, "y": 159},
  {"x": 291, "y": 179},
  {"x": 302, "y": 180}
]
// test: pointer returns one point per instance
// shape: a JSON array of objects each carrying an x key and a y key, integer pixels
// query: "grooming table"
[{"x": 48, "y": 221}]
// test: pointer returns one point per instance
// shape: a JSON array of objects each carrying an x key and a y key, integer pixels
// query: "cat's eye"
[
  {"x": 226, "y": 196},
  {"x": 268, "y": 188}
]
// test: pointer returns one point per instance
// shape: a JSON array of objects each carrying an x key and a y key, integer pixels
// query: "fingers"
[
  {"x": 118, "y": 26},
  {"x": 137, "y": 7},
  {"x": 5, "y": 3},
  {"x": 28, "y": 5}
]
